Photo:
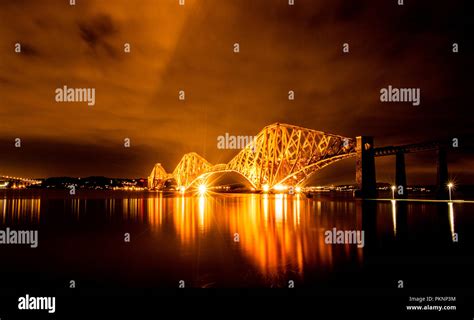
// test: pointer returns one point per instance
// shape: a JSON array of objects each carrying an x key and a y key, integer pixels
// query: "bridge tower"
[
  {"x": 400, "y": 175},
  {"x": 365, "y": 167}
]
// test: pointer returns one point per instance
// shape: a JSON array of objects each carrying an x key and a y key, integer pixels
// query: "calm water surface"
[{"x": 232, "y": 240}]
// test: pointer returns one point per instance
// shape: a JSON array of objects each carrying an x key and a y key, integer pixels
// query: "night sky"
[{"x": 190, "y": 48}]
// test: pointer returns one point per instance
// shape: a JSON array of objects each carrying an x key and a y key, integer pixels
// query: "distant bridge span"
[{"x": 7, "y": 181}]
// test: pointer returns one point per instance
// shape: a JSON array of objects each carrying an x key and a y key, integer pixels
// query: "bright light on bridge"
[
  {"x": 265, "y": 188},
  {"x": 298, "y": 189},
  {"x": 182, "y": 189},
  {"x": 202, "y": 189},
  {"x": 280, "y": 188}
]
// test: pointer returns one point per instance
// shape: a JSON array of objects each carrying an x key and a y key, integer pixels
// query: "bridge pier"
[
  {"x": 365, "y": 168},
  {"x": 442, "y": 174},
  {"x": 400, "y": 176}
]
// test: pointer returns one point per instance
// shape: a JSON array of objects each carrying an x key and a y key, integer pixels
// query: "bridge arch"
[
  {"x": 204, "y": 178},
  {"x": 310, "y": 170}
]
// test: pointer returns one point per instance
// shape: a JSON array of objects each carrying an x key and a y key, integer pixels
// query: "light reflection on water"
[
  {"x": 19, "y": 210},
  {"x": 451, "y": 220},
  {"x": 277, "y": 234},
  {"x": 394, "y": 216}
]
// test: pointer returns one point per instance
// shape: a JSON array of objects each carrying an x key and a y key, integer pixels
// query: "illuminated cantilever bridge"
[
  {"x": 287, "y": 155},
  {"x": 279, "y": 154}
]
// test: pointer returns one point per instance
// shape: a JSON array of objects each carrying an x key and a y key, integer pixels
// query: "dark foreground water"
[{"x": 233, "y": 240}]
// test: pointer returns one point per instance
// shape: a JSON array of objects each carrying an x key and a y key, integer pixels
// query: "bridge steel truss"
[
  {"x": 286, "y": 154},
  {"x": 190, "y": 168},
  {"x": 279, "y": 154},
  {"x": 157, "y": 177}
]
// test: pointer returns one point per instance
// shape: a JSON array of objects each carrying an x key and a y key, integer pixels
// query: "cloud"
[
  {"x": 190, "y": 48},
  {"x": 97, "y": 30}
]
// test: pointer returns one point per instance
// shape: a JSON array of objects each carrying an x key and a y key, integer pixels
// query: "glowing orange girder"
[
  {"x": 280, "y": 153},
  {"x": 285, "y": 153}
]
